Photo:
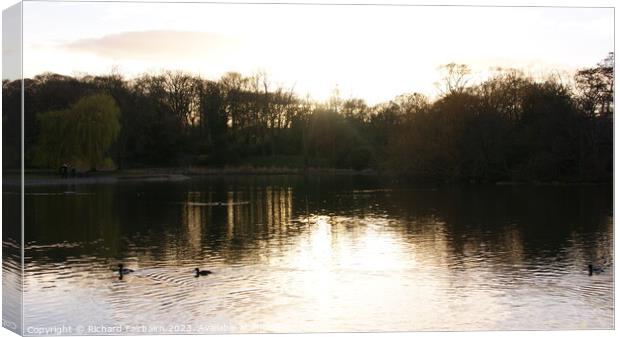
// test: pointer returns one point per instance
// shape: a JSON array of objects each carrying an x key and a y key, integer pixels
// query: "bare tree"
[{"x": 454, "y": 79}]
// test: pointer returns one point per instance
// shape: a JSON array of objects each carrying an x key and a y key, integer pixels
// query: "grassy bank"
[{"x": 39, "y": 177}]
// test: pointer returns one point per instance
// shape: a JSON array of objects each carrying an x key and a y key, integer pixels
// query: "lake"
[{"x": 295, "y": 254}]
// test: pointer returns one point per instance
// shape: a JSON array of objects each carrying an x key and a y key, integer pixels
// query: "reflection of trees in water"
[
  {"x": 84, "y": 220},
  {"x": 194, "y": 218},
  {"x": 249, "y": 219},
  {"x": 256, "y": 217},
  {"x": 521, "y": 223},
  {"x": 499, "y": 220},
  {"x": 230, "y": 222},
  {"x": 514, "y": 225}
]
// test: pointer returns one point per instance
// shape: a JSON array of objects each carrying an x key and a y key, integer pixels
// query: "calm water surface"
[{"x": 290, "y": 254}]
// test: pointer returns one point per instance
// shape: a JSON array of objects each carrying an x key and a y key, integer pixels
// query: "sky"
[{"x": 370, "y": 52}]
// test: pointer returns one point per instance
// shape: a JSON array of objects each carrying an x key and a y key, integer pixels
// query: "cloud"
[{"x": 159, "y": 45}]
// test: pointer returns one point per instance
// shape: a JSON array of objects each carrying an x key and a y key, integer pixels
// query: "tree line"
[{"x": 509, "y": 126}]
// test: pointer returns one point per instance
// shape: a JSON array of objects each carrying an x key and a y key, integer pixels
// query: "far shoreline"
[
  {"x": 175, "y": 174},
  {"x": 49, "y": 178}
]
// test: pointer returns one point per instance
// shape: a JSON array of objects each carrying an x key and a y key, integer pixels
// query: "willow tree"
[{"x": 81, "y": 134}]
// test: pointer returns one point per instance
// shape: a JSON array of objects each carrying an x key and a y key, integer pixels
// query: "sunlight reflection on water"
[{"x": 291, "y": 257}]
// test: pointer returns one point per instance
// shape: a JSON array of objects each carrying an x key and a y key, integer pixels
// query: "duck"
[
  {"x": 123, "y": 271},
  {"x": 594, "y": 270},
  {"x": 202, "y": 272}
]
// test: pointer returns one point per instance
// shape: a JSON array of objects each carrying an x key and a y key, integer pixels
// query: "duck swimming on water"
[
  {"x": 594, "y": 270},
  {"x": 202, "y": 272},
  {"x": 123, "y": 271}
]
